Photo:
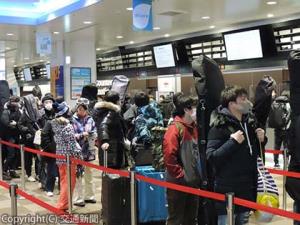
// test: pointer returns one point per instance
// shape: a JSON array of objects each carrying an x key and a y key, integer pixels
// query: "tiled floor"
[{"x": 26, "y": 207}]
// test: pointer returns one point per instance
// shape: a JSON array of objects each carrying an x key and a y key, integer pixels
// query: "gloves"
[{"x": 13, "y": 123}]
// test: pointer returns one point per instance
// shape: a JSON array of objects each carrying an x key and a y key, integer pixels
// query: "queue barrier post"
[
  {"x": 230, "y": 208},
  {"x": 1, "y": 168},
  {"x": 13, "y": 196},
  {"x": 133, "y": 198},
  {"x": 22, "y": 167},
  {"x": 284, "y": 194}
]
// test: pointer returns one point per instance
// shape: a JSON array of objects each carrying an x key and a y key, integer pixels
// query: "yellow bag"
[
  {"x": 266, "y": 199},
  {"x": 267, "y": 192}
]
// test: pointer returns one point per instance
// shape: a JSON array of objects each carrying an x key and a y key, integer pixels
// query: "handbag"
[
  {"x": 37, "y": 137},
  {"x": 267, "y": 192}
]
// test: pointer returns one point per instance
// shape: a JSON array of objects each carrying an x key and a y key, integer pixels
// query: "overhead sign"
[
  {"x": 43, "y": 43},
  {"x": 142, "y": 15}
]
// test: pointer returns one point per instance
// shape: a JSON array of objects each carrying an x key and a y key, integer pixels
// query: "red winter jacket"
[{"x": 171, "y": 146}]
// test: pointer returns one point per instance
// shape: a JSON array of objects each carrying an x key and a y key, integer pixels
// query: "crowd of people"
[{"x": 125, "y": 131}]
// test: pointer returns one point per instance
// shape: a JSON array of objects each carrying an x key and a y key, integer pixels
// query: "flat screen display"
[
  {"x": 243, "y": 45},
  {"x": 164, "y": 56},
  {"x": 27, "y": 74}
]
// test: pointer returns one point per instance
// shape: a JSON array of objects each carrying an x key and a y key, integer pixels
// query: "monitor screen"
[
  {"x": 164, "y": 56},
  {"x": 27, "y": 74},
  {"x": 243, "y": 45}
]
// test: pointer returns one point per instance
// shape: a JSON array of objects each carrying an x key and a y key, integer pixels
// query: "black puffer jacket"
[
  {"x": 234, "y": 164},
  {"x": 111, "y": 129},
  {"x": 47, "y": 136},
  {"x": 10, "y": 114}
]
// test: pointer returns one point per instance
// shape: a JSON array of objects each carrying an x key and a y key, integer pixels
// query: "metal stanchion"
[
  {"x": 1, "y": 169},
  {"x": 13, "y": 197},
  {"x": 133, "y": 198},
  {"x": 22, "y": 167},
  {"x": 285, "y": 165},
  {"x": 69, "y": 183},
  {"x": 230, "y": 208}
]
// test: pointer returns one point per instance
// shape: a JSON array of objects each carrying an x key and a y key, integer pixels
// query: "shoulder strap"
[{"x": 180, "y": 128}]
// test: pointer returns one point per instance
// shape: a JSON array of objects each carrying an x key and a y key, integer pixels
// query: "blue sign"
[
  {"x": 142, "y": 15},
  {"x": 80, "y": 76},
  {"x": 43, "y": 43}
]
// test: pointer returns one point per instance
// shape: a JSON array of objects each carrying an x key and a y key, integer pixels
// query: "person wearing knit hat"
[
  {"x": 61, "y": 130},
  {"x": 61, "y": 109},
  {"x": 48, "y": 96},
  {"x": 47, "y": 179}
]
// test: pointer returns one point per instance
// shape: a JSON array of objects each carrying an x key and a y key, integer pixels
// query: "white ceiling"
[{"x": 110, "y": 19}]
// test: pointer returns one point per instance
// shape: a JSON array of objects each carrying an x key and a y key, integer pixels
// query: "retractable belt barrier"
[
  {"x": 190, "y": 190},
  {"x": 275, "y": 152},
  {"x": 67, "y": 217}
]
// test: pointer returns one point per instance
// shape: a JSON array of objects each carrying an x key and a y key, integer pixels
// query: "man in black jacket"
[
  {"x": 9, "y": 119},
  {"x": 48, "y": 144},
  {"x": 232, "y": 150}
]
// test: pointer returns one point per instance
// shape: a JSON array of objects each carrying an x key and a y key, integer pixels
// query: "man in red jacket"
[{"x": 180, "y": 145}]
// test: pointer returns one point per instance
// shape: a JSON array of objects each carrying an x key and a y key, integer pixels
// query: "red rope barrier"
[
  {"x": 4, "y": 184},
  {"x": 275, "y": 152},
  {"x": 284, "y": 173},
  {"x": 50, "y": 208},
  {"x": 10, "y": 144},
  {"x": 198, "y": 192},
  {"x": 51, "y": 155},
  {"x": 102, "y": 168}
]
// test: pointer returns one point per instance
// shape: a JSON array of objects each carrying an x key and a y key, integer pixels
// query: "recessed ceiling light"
[
  {"x": 270, "y": 15},
  {"x": 131, "y": 42},
  {"x": 41, "y": 60},
  {"x": 205, "y": 17},
  {"x": 26, "y": 58},
  {"x": 87, "y": 22},
  {"x": 129, "y": 8},
  {"x": 156, "y": 28},
  {"x": 212, "y": 27},
  {"x": 7, "y": 48},
  {"x": 15, "y": 65},
  {"x": 10, "y": 34},
  {"x": 271, "y": 3},
  {"x": 167, "y": 35},
  {"x": 119, "y": 36},
  {"x": 98, "y": 49},
  {"x": 55, "y": 32}
]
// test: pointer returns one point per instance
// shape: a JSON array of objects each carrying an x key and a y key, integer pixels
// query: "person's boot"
[
  {"x": 6, "y": 176},
  {"x": 13, "y": 174}
]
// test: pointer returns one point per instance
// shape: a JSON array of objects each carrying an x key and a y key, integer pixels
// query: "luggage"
[
  {"x": 151, "y": 199},
  {"x": 115, "y": 198},
  {"x": 120, "y": 84}
]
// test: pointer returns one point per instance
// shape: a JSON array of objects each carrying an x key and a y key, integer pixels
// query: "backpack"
[
  {"x": 157, "y": 152},
  {"x": 148, "y": 117},
  {"x": 278, "y": 116}
]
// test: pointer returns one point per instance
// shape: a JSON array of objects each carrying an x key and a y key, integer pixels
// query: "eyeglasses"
[{"x": 84, "y": 101}]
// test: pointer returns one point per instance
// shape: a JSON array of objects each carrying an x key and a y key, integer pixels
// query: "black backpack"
[{"x": 278, "y": 116}]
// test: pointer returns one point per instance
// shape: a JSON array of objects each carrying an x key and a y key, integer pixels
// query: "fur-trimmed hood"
[
  {"x": 61, "y": 120},
  {"x": 107, "y": 105}
]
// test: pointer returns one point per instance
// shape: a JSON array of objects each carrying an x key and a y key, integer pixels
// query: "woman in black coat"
[{"x": 111, "y": 130}]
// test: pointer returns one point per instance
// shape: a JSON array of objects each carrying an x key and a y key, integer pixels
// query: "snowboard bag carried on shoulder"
[
  {"x": 120, "y": 84},
  {"x": 209, "y": 84},
  {"x": 294, "y": 71}
]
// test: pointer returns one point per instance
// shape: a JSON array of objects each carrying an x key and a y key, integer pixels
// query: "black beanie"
[{"x": 48, "y": 96}]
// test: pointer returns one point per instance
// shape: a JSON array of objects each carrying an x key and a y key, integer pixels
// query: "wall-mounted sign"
[
  {"x": 80, "y": 76},
  {"x": 43, "y": 43},
  {"x": 142, "y": 15}
]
